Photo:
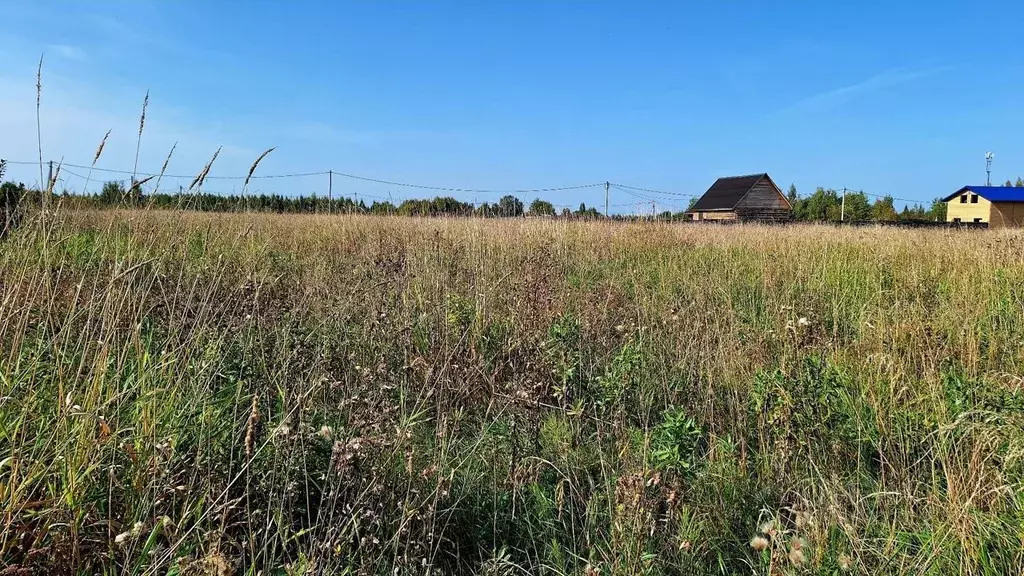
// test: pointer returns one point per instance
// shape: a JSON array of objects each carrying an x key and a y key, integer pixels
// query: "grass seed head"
[
  {"x": 250, "y": 426},
  {"x": 255, "y": 164},
  {"x": 99, "y": 149}
]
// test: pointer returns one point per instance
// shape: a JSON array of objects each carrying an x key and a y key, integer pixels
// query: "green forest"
[{"x": 824, "y": 205}]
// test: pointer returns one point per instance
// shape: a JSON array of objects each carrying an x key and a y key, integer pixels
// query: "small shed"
[
  {"x": 752, "y": 198},
  {"x": 998, "y": 206}
]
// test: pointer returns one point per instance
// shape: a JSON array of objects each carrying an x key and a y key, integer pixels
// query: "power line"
[
  {"x": 651, "y": 191},
  {"x": 893, "y": 197},
  {"x": 342, "y": 174},
  {"x": 647, "y": 198},
  {"x": 658, "y": 201},
  {"x": 33, "y": 163},
  {"x": 254, "y": 177},
  {"x": 475, "y": 204},
  {"x": 470, "y": 190},
  {"x": 213, "y": 192},
  {"x": 631, "y": 204},
  {"x": 635, "y": 191},
  {"x": 70, "y": 173},
  {"x": 883, "y": 196},
  {"x": 155, "y": 174}
]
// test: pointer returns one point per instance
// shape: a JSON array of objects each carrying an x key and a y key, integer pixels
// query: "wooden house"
[
  {"x": 998, "y": 206},
  {"x": 753, "y": 198}
]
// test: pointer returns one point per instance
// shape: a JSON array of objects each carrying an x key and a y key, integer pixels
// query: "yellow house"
[{"x": 998, "y": 206}]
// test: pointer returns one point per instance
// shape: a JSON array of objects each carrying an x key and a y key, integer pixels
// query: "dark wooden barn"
[{"x": 753, "y": 198}]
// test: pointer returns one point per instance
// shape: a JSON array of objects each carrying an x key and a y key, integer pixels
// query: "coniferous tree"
[{"x": 792, "y": 195}]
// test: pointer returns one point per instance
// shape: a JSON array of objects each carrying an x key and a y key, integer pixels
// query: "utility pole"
[
  {"x": 330, "y": 191},
  {"x": 49, "y": 177},
  {"x": 842, "y": 209},
  {"x": 653, "y": 211},
  {"x": 606, "y": 186}
]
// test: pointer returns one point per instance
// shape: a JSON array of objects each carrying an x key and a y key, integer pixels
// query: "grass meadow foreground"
[{"x": 253, "y": 394}]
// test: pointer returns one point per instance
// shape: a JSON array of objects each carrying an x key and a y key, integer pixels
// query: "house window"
[
  {"x": 974, "y": 198},
  {"x": 963, "y": 199},
  {"x": 976, "y": 220},
  {"x": 956, "y": 220}
]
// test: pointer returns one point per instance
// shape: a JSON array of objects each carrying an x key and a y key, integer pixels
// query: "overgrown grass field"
[{"x": 249, "y": 394}]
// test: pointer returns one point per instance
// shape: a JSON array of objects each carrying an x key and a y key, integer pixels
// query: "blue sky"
[{"x": 892, "y": 98}]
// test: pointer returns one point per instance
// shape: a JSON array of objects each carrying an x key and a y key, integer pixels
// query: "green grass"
[{"x": 243, "y": 394}]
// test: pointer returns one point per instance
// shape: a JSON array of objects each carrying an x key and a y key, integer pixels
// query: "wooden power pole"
[{"x": 606, "y": 186}]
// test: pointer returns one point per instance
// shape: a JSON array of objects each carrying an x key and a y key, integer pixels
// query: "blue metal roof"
[{"x": 992, "y": 193}]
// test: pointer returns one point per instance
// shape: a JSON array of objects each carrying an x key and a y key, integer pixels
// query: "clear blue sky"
[{"x": 890, "y": 97}]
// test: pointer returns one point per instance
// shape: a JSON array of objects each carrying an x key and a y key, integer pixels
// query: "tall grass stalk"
[
  {"x": 197, "y": 182},
  {"x": 138, "y": 142},
  {"x": 39, "y": 124},
  {"x": 252, "y": 169},
  {"x": 95, "y": 158},
  {"x": 163, "y": 168}
]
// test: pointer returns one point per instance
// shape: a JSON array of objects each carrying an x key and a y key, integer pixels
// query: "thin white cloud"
[
  {"x": 881, "y": 81},
  {"x": 69, "y": 52}
]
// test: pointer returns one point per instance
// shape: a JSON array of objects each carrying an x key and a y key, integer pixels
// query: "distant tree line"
[
  {"x": 115, "y": 194},
  {"x": 824, "y": 205},
  {"x": 827, "y": 205}
]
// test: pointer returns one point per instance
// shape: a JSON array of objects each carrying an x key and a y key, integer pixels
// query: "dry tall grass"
[{"x": 195, "y": 393}]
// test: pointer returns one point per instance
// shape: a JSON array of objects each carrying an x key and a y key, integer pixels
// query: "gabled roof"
[
  {"x": 992, "y": 193},
  {"x": 727, "y": 192}
]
